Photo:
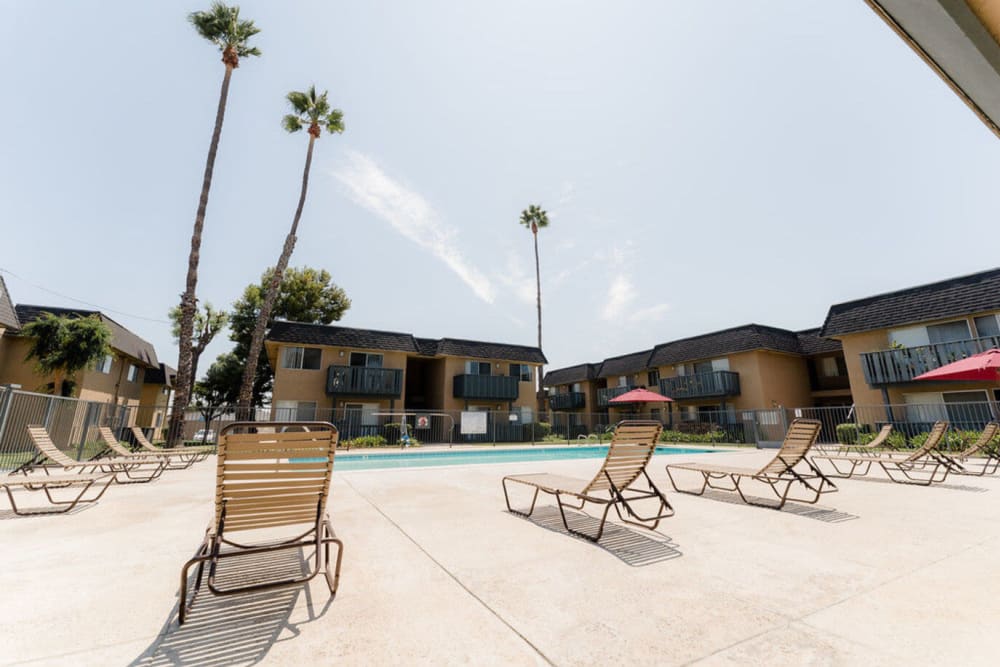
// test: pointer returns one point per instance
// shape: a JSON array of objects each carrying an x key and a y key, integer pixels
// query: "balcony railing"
[
  {"x": 905, "y": 363},
  {"x": 363, "y": 381},
  {"x": 568, "y": 401},
  {"x": 486, "y": 387},
  {"x": 714, "y": 384},
  {"x": 604, "y": 396}
]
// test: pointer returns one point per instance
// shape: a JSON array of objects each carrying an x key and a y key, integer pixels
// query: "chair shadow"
[
  {"x": 8, "y": 515},
  {"x": 942, "y": 485},
  {"x": 816, "y": 512},
  {"x": 238, "y": 629},
  {"x": 622, "y": 542}
]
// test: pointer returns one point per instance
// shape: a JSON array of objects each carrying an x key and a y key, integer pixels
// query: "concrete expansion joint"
[{"x": 451, "y": 575}]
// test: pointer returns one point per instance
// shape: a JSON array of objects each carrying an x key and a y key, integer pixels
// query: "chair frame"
[
  {"x": 616, "y": 490},
  {"x": 135, "y": 470},
  {"x": 46, "y": 483},
  {"x": 780, "y": 483},
  {"x": 187, "y": 455},
  {"x": 320, "y": 535}
]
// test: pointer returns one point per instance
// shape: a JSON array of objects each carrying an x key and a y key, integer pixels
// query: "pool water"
[{"x": 362, "y": 461}]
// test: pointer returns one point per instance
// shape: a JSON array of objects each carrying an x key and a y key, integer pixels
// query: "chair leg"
[
  {"x": 510, "y": 509},
  {"x": 600, "y": 529}
]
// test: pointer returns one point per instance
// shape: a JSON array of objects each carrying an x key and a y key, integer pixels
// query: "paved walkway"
[{"x": 436, "y": 572}]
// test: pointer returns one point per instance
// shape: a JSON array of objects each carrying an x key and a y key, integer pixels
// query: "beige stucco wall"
[{"x": 784, "y": 379}]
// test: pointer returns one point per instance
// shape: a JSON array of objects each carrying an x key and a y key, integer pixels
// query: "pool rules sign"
[{"x": 473, "y": 423}]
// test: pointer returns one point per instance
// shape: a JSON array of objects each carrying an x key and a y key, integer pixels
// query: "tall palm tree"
[
  {"x": 313, "y": 112},
  {"x": 535, "y": 218},
  {"x": 222, "y": 26}
]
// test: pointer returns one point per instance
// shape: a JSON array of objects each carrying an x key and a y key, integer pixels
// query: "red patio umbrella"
[
  {"x": 982, "y": 367},
  {"x": 641, "y": 395}
]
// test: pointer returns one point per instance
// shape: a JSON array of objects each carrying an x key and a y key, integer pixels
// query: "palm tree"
[
  {"x": 313, "y": 112},
  {"x": 222, "y": 26},
  {"x": 535, "y": 218}
]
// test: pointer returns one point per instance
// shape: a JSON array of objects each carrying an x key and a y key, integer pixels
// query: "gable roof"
[
  {"x": 371, "y": 339},
  {"x": 578, "y": 373},
  {"x": 122, "y": 339},
  {"x": 810, "y": 343},
  {"x": 625, "y": 364},
  {"x": 8, "y": 316},
  {"x": 162, "y": 374},
  {"x": 955, "y": 297},
  {"x": 737, "y": 339}
]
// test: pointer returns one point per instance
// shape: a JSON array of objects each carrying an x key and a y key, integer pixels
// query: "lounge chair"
[
  {"x": 126, "y": 470},
  {"x": 924, "y": 466},
  {"x": 983, "y": 453},
  {"x": 47, "y": 483},
  {"x": 632, "y": 445},
  {"x": 115, "y": 448},
  {"x": 193, "y": 454},
  {"x": 873, "y": 447},
  {"x": 269, "y": 480},
  {"x": 779, "y": 475}
]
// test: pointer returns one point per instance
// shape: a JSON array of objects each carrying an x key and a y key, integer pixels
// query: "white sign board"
[{"x": 473, "y": 423}]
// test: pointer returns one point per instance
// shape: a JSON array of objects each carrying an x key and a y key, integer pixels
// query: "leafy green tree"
[
  {"x": 64, "y": 346},
  {"x": 208, "y": 322},
  {"x": 218, "y": 388},
  {"x": 222, "y": 26},
  {"x": 312, "y": 111},
  {"x": 535, "y": 218},
  {"x": 305, "y": 295}
]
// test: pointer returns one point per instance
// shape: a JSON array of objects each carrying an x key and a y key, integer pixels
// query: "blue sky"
[{"x": 704, "y": 165}]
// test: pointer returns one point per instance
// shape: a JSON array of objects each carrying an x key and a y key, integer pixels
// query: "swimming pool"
[{"x": 367, "y": 461}]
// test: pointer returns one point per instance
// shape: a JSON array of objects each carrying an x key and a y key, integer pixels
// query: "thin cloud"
[
  {"x": 517, "y": 280},
  {"x": 620, "y": 295},
  {"x": 411, "y": 215},
  {"x": 650, "y": 314}
]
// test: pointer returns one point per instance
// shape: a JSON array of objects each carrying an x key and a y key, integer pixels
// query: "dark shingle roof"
[
  {"x": 578, "y": 373},
  {"x": 122, "y": 339},
  {"x": 625, "y": 364},
  {"x": 810, "y": 342},
  {"x": 369, "y": 339},
  {"x": 8, "y": 316},
  {"x": 162, "y": 374},
  {"x": 718, "y": 343},
  {"x": 954, "y": 297}
]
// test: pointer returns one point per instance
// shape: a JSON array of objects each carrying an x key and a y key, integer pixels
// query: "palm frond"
[
  {"x": 291, "y": 123},
  {"x": 334, "y": 122},
  {"x": 536, "y": 215},
  {"x": 300, "y": 102},
  {"x": 222, "y": 26}
]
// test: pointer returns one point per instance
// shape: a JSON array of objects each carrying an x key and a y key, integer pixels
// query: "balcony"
[
  {"x": 363, "y": 381},
  {"x": 568, "y": 401},
  {"x": 604, "y": 396},
  {"x": 903, "y": 364},
  {"x": 714, "y": 384},
  {"x": 486, "y": 387}
]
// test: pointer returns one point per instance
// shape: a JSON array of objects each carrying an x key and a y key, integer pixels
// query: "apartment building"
[
  {"x": 371, "y": 374},
  {"x": 8, "y": 318},
  {"x": 889, "y": 339},
  {"x": 120, "y": 375},
  {"x": 154, "y": 397}
]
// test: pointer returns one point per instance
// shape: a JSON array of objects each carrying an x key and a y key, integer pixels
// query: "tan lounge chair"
[
  {"x": 924, "y": 466},
  {"x": 114, "y": 447},
  {"x": 273, "y": 480},
  {"x": 47, "y": 483},
  {"x": 873, "y": 447},
  {"x": 983, "y": 453},
  {"x": 185, "y": 454},
  {"x": 779, "y": 475},
  {"x": 126, "y": 470},
  {"x": 632, "y": 445}
]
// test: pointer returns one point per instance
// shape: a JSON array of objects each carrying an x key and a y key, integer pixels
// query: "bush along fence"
[{"x": 73, "y": 424}]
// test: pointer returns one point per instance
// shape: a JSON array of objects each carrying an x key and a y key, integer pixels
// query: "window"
[
  {"x": 576, "y": 387},
  {"x": 299, "y": 411},
  {"x": 522, "y": 371},
  {"x": 622, "y": 381},
  {"x": 653, "y": 378},
  {"x": 104, "y": 365},
  {"x": 828, "y": 367},
  {"x": 987, "y": 325},
  {"x": 703, "y": 367},
  {"x": 363, "y": 414},
  {"x": 948, "y": 332},
  {"x": 158, "y": 420},
  {"x": 478, "y": 368},
  {"x": 524, "y": 415},
  {"x": 366, "y": 360},
  {"x": 305, "y": 358},
  {"x": 133, "y": 373}
]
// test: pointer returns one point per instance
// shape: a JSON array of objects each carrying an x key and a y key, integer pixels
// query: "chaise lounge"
[
  {"x": 631, "y": 448},
  {"x": 184, "y": 454},
  {"x": 779, "y": 475},
  {"x": 126, "y": 470},
  {"x": 48, "y": 483},
  {"x": 270, "y": 480}
]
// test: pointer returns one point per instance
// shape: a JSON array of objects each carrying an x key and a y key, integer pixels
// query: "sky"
[{"x": 704, "y": 165}]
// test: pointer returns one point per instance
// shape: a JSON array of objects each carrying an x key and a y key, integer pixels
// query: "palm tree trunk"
[
  {"x": 271, "y": 295},
  {"x": 189, "y": 302},
  {"x": 538, "y": 286}
]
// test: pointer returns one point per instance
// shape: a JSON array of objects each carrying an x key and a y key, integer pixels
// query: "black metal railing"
[
  {"x": 905, "y": 363},
  {"x": 362, "y": 381},
  {"x": 486, "y": 387},
  {"x": 605, "y": 395},
  {"x": 568, "y": 401},
  {"x": 701, "y": 385}
]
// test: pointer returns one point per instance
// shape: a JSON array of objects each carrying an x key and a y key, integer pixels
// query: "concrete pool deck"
[{"x": 437, "y": 572}]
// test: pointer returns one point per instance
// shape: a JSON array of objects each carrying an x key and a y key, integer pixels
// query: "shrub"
[
  {"x": 538, "y": 431},
  {"x": 367, "y": 441},
  {"x": 683, "y": 437},
  {"x": 848, "y": 434},
  {"x": 896, "y": 440}
]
